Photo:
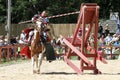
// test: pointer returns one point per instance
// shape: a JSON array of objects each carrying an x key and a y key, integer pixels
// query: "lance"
[{"x": 60, "y": 15}]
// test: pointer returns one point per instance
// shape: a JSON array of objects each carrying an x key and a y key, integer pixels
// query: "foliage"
[
  {"x": 23, "y": 10},
  {"x": 3, "y": 11}
]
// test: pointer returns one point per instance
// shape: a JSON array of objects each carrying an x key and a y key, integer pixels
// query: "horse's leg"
[
  {"x": 40, "y": 61},
  {"x": 36, "y": 61},
  {"x": 41, "y": 56},
  {"x": 33, "y": 63}
]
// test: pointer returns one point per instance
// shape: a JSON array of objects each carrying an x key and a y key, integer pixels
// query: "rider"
[
  {"x": 45, "y": 22},
  {"x": 42, "y": 21}
]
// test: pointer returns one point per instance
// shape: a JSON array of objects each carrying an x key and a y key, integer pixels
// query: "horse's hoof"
[
  {"x": 50, "y": 61},
  {"x": 34, "y": 71},
  {"x": 38, "y": 71}
]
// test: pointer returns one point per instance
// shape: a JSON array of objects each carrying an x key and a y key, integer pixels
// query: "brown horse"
[{"x": 37, "y": 51}]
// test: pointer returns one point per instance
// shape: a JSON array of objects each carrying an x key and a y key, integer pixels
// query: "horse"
[{"x": 37, "y": 50}]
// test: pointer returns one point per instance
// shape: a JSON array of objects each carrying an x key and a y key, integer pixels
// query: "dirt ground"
[{"x": 59, "y": 70}]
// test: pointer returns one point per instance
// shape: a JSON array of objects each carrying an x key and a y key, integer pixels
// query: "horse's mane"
[{"x": 37, "y": 36}]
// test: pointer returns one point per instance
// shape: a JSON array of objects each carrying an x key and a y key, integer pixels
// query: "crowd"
[{"x": 108, "y": 41}]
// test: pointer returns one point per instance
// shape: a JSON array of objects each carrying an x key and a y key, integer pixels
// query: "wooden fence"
[{"x": 57, "y": 29}]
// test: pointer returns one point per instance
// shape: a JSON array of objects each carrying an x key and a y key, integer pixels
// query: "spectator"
[
  {"x": 107, "y": 30},
  {"x": 2, "y": 40},
  {"x": 13, "y": 40},
  {"x": 6, "y": 40},
  {"x": 53, "y": 42},
  {"x": 22, "y": 37},
  {"x": 60, "y": 39},
  {"x": 108, "y": 39},
  {"x": 100, "y": 31},
  {"x": 118, "y": 28},
  {"x": 108, "y": 49},
  {"x": 102, "y": 41},
  {"x": 80, "y": 32},
  {"x": 91, "y": 38},
  {"x": 115, "y": 39},
  {"x": 58, "y": 47},
  {"x": 17, "y": 39},
  {"x": 4, "y": 50},
  {"x": 101, "y": 52}
]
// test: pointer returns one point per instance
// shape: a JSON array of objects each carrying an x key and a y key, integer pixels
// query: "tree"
[
  {"x": 23, "y": 10},
  {"x": 3, "y": 11}
]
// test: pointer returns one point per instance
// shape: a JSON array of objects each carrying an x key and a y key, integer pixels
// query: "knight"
[{"x": 41, "y": 22}]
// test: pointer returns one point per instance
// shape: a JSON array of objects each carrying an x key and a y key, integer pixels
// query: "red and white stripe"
[
  {"x": 54, "y": 16},
  {"x": 64, "y": 14}
]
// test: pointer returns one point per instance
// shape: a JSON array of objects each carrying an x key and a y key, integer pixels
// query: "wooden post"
[
  {"x": 88, "y": 15},
  {"x": 9, "y": 21}
]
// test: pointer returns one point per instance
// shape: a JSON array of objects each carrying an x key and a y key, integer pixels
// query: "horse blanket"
[{"x": 50, "y": 54}]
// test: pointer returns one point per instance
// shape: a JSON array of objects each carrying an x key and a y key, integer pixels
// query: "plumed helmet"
[{"x": 43, "y": 14}]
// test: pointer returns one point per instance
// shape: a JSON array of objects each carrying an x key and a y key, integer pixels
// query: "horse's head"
[
  {"x": 36, "y": 35},
  {"x": 39, "y": 25}
]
